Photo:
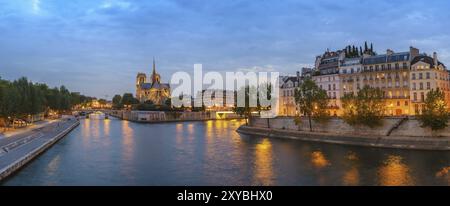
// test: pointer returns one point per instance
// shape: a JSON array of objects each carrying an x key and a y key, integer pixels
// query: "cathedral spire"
[
  {"x": 155, "y": 76},
  {"x": 154, "y": 66}
]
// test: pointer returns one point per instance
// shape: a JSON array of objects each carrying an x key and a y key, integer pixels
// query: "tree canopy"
[
  {"x": 435, "y": 112},
  {"x": 21, "y": 97},
  {"x": 312, "y": 101},
  {"x": 366, "y": 107}
]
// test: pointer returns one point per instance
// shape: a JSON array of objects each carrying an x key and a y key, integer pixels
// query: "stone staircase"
[{"x": 396, "y": 125}]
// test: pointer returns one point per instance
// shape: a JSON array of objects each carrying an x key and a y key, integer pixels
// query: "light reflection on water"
[
  {"x": 263, "y": 163},
  {"x": 114, "y": 152},
  {"x": 393, "y": 172}
]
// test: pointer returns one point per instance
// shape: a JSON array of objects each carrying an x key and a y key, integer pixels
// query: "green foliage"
[
  {"x": 145, "y": 107},
  {"x": 245, "y": 110},
  {"x": 168, "y": 102},
  {"x": 351, "y": 51},
  {"x": 251, "y": 94},
  {"x": 366, "y": 108},
  {"x": 435, "y": 114},
  {"x": 312, "y": 101},
  {"x": 21, "y": 98},
  {"x": 349, "y": 108},
  {"x": 117, "y": 102},
  {"x": 128, "y": 99},
  {"x": 298, "y": 120}
]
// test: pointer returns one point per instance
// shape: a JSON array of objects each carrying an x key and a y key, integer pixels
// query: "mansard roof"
[
  {"x": 385, "y": 58},
  {"x": 426, "y": 59},
  {"x": 289, "y": 78}
]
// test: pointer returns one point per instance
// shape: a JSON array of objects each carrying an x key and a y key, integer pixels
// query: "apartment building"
[
  {"x": 427, "y": 73},
  {"x": 288, "y": 85}
]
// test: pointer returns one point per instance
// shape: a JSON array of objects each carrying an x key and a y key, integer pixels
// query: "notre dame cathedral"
[{"x": 155, "y": 91}]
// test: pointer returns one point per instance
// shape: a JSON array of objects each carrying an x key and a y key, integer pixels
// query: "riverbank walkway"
[
  {"x": 18, "y": 149},
  {"x": 18, "y": 131}
]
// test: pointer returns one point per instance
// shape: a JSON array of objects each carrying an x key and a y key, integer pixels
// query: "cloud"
[
  {"x": 119, "y": 37},
  {"x": 36, "y": 6},
  {"x": 116, "y": 5}
]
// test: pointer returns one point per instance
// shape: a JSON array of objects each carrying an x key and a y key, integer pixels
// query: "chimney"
[
  {"x": 413, "y": 52},
  {"x": 389, "y": 52},
  {"x": 435, "y": 60}
]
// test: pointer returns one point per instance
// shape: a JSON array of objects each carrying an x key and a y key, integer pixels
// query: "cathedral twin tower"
[{"x": 153, "y": 91}]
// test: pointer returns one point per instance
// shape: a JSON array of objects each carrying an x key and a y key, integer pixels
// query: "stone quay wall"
[
  {"x": 334, "y": 125},
  {"x": 162, "y": 116},
  {"x": 402, "y": 133}
]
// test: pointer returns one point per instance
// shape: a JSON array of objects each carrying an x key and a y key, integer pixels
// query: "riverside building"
[
  {"x": 405, "y": 77},
  {"x": 327, "y": 78},
  {"x": 288, "y": 85}
]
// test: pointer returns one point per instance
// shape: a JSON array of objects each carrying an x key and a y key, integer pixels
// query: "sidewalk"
[
  {"x": 18, "y": 150},
  {"x": 28, "y": 128}
]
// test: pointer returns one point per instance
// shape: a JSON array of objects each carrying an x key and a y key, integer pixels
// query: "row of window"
[
  {"x": 390, "y": 94},
  {"x": 385, "y": 67},
  {"x": 351, "y": 71},
  {"x": 389, "y": 85},
  {"x": 323, "y": 79},
  {"x": 379, "y": 76},
  {"x": 329, "y": 87},
  {"x": 428, "y": 76},
  {"x": 288, "y": 93},
  {"x": 421, "y": 86}
]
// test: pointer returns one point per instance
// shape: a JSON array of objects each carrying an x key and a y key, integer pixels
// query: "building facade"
[
  {"x": 154, "y": 90},
  {"x": 286, "y": 103},
  {"x": 390, "y": 73},
  {"x": 327, "y": 78},
  {"x": 404, "y": 77},
  {"x": 427, "y": 73}
]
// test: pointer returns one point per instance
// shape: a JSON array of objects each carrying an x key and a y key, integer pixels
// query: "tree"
[
  {"x": 312, "y": 101},
  {"x": 102, "y": 101},
  {"x": 128, "y": 99},
  {"x": 366, "y": 108},
  {"x": 249, "y": 94},
  {"x": 117, "y": 102},
  {"x": 168, "y": 102},
  {"x": 9, "y": 98},
  {"x": 266, "y": 89},
  {"x": 65, "y": 99},
  {"x": 21, "y": 98},
  {"x": 349, "y": 109},
  {"x": 435, "y": 114}
]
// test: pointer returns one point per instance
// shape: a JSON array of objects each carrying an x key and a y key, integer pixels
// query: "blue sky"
[{"x": 97, "y": 46}]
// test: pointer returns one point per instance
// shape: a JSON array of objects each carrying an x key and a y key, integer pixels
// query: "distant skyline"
[{"x": 97, "y": 47}]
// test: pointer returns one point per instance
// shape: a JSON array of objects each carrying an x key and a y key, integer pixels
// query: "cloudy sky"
[{"x": 97, "y": 46}]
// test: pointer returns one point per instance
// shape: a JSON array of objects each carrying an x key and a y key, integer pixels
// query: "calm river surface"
[{"x": 115, "y": 152}]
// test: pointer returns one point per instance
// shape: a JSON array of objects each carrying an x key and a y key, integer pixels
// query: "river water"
[{"x": 115, "y": 152}]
